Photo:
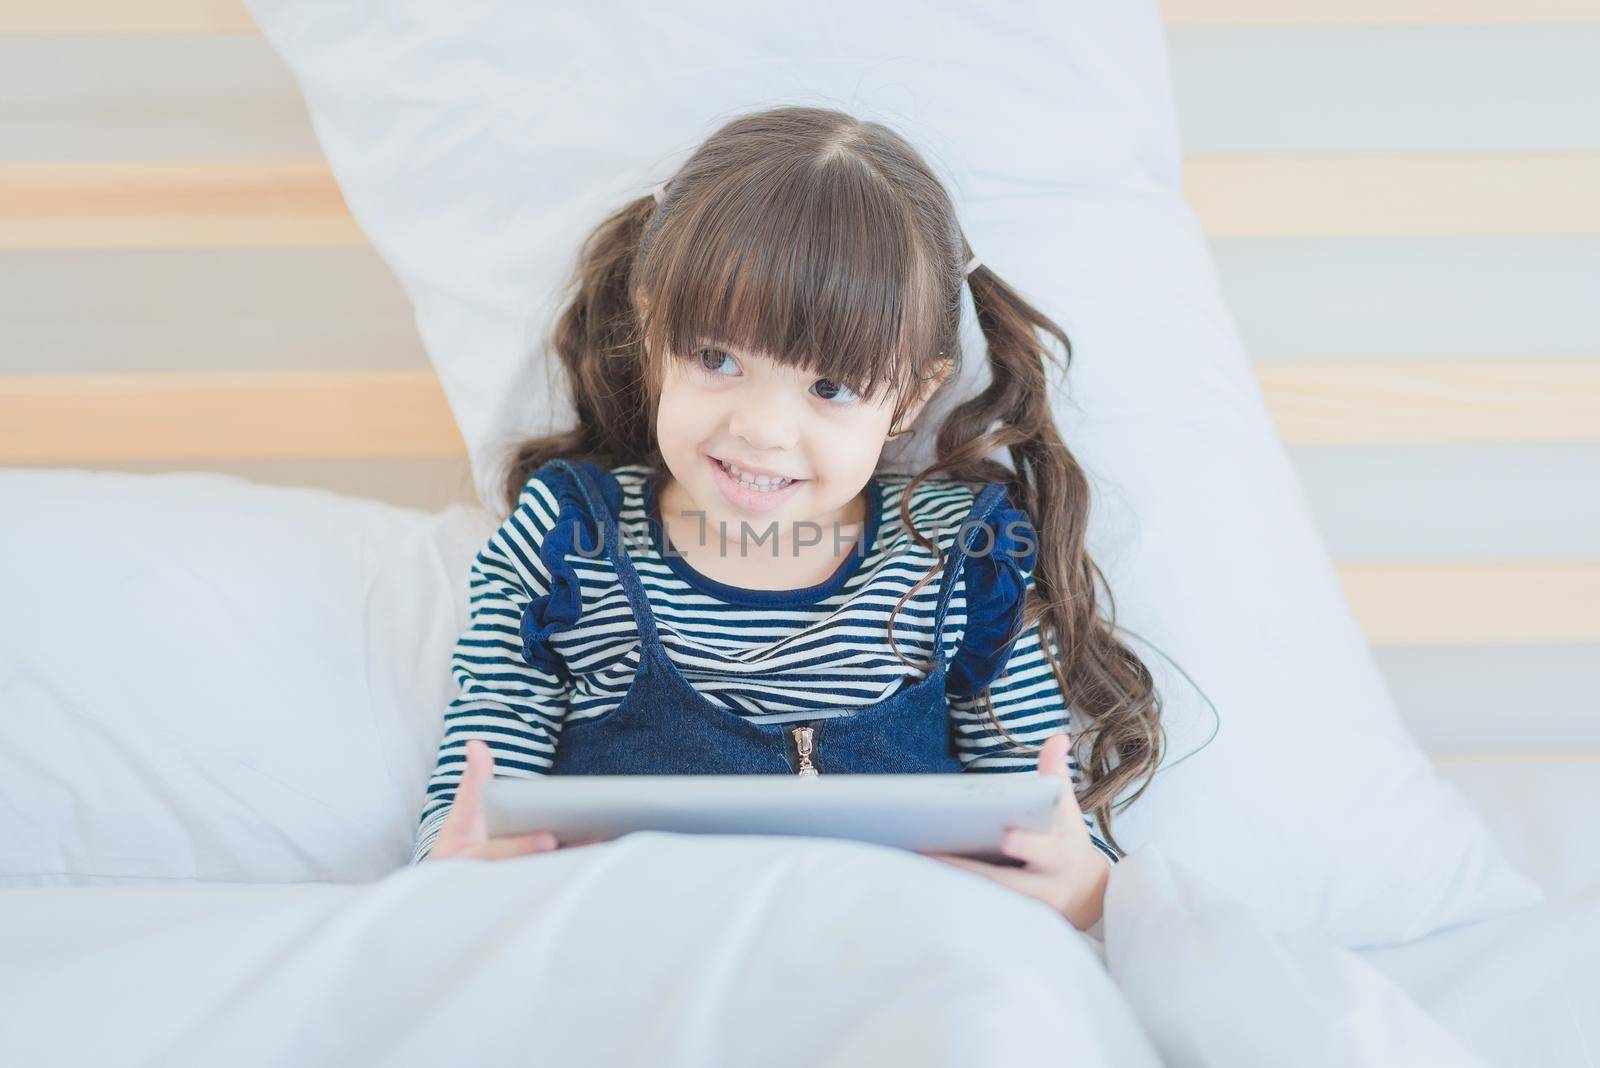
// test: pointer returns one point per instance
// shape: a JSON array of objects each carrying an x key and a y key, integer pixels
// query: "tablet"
[{"x": 961, "y": 813}]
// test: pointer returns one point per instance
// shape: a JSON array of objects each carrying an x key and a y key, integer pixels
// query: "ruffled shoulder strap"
[
  {"x": 561, "y": 477},
  {"x": 572, "y": 530},
  {"x": 996, "y": 589}
]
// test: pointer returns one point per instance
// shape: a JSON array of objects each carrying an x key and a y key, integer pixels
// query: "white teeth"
[{"x": 764, "y": 483}]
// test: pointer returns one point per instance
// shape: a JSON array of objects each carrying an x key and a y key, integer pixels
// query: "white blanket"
[
  {"x": 653, "y": 949},
  {"x": 676, "y": 950}
]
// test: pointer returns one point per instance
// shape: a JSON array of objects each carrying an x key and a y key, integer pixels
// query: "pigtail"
[
  {"x": 1116, "y": 711},
  {"x": 597, "y": 339}
]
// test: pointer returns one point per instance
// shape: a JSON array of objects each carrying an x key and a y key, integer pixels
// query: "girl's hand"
[
  {"x": 466, "y": 832},
  {"x": 1061, "y": 866}
]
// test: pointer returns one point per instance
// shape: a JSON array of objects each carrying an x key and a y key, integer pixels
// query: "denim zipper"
[{"x": 805, "y": 748}]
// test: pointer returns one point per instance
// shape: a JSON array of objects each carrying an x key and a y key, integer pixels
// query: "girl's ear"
[{"x": 929, "y": 388}]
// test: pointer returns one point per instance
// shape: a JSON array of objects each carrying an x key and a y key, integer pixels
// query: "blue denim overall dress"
[{"x": 663, "y": 726}]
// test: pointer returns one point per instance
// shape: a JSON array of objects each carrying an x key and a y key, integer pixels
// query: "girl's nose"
[{"x": 766, "y": 421}]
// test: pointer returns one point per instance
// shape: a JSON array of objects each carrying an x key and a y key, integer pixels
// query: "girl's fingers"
[
  {"x": 1045, "y": 851},
  {"x": 574, "y": 843},
  {"x": 512, "y": 845},
  {"x": 465, "y": 824},
  {"x": 1024, "y": 882},
  {"x": 480, "y": 762},
  {"x": 1068, "y": 811},
  {"x": 1053, "y": 756},
  {"x": 1053, "y": 761}
]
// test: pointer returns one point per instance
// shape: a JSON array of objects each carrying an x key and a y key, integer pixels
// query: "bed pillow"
[
  {"x": 184, "y": 683},
  {"x": 476, "y": 144}
]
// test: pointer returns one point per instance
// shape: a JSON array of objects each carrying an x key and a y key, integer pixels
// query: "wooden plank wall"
[{"x": 1411, "y": 247}]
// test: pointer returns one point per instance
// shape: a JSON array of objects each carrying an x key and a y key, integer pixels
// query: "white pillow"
[
  {"x": 184, "y": 685},
  {"x": 476, "y": 144}
]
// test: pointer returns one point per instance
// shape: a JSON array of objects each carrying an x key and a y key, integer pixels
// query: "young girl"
[{"x": 710, "y": 574}]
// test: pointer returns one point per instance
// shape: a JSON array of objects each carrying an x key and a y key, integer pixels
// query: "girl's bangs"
[{"x": 841, "y": 291}]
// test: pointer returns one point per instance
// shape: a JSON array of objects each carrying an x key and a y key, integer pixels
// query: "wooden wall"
[{"x": 1403, "y": 198}]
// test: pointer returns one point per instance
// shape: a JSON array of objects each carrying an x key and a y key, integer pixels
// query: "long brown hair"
[{"x": 828, "y": 244}]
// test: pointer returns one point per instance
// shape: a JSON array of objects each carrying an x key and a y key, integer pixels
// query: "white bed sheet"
[
  {"x": 672, "y": 949},
  {"x": 1522, "y": 989}
]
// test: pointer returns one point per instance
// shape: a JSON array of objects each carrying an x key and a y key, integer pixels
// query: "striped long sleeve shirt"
[{"x": 730, "y": 643}]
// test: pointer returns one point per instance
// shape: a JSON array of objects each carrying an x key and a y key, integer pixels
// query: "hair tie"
[{"x": 971, "y": 266}]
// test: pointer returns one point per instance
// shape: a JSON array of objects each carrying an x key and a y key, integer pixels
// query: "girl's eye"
[
  {"x": 716, "y": 362},
  {"x": 828, "y": 389}
]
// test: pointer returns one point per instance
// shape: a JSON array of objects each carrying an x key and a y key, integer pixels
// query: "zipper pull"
[{"x": 804, "y": 745}]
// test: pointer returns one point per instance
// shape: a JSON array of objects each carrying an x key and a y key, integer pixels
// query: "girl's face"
[{"x": 751, "y": 440}]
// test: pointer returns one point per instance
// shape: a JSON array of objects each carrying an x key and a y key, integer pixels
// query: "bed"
[
  {"x": 220, "y": 698},
  {"x": 270, "y": 915},
  {"x": 392, "y": 973}
]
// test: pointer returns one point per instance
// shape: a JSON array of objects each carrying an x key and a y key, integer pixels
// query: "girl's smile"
[{"x": 754, "y": 491}]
